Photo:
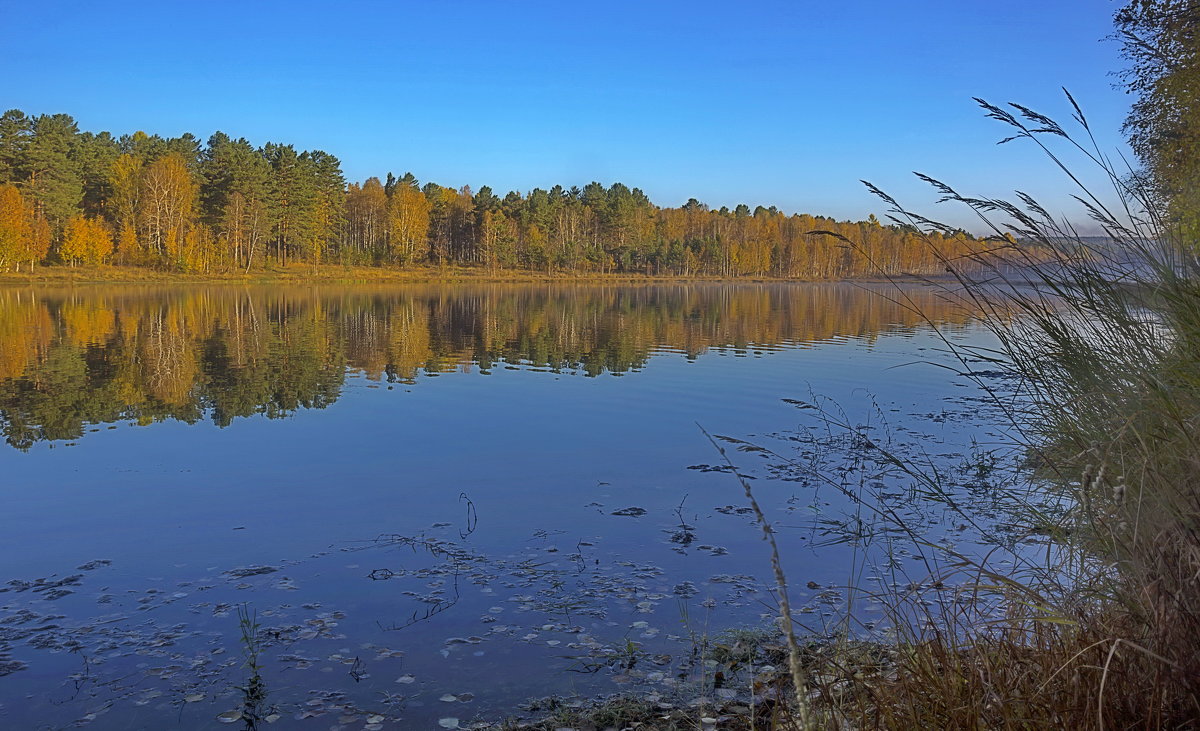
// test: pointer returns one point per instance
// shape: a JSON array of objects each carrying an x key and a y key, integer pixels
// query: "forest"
[{"x": 74, "y": 198}]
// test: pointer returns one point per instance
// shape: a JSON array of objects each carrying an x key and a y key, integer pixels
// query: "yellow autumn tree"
[
  {"x": 85, "y": 241},
  {"x": 409, "y": 222},
  {"x": 199, "y": 252},
  {"x": 74, "y": 241},
  {"x": 101, "y": 242},
  {"x": 16, "y": 230},
  {"x": 128, "y": 248},
  {"x": 38, "y": 245},
  {"x": 125, "y": 181}
]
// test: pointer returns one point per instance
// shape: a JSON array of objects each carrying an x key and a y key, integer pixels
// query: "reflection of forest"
[{"x": 78, "y": 357}]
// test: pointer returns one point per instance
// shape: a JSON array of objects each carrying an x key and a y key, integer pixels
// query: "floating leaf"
[
  {"x": 230, "y": 716},
  {"x": 405, "y": 679},
  {"x": 448, "y": 722}
]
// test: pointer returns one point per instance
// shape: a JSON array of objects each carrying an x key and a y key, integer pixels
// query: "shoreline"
[{"x": 353, "y": 275}]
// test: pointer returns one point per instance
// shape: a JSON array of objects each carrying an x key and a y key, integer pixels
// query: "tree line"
[{"x": 69, "y": 197}]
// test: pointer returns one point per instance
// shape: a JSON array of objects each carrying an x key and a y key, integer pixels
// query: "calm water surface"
[{"x": 439, "y": 502}]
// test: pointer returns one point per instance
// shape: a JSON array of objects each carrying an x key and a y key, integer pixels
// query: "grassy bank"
[
  {"x": 1098, "y": 626},
  {"x": 1102, "y": 630}
]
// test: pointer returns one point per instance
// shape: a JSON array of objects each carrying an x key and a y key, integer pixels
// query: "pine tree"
[
  {"x": 16, "y": 133},
  {"x": 53, "y": 183},
  {"x": 234, "y": 197}
]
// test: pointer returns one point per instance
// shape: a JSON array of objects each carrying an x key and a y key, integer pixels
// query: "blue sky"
[{"x": 772, "y": 103}]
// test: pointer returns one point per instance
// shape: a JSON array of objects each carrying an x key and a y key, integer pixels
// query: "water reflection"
[
  {"x": 72, "y": 358},
  {"x": 477, "y": 538}
]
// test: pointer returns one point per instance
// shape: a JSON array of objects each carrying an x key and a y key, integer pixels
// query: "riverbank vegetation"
[
  {"x": 225, "y": 206},
  {"x": 1092, "y": 620}
]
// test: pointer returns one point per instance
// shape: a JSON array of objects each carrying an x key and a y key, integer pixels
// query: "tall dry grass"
[{"x": 1100, "y": 627}]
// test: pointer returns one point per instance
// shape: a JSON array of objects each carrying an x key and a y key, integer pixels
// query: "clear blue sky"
[{"x": 772, "y": 103}]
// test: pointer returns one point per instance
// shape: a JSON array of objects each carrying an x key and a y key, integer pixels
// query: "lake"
[{"x": 439, "y": 502}]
